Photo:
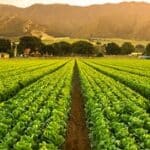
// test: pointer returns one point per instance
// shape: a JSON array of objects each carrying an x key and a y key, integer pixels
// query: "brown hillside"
[{"x": 124, "y": 20}]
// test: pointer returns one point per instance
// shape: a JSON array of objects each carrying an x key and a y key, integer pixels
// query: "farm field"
[{"x": 75, "y": 104}]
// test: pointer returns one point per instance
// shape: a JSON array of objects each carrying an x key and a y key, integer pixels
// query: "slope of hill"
[{"x": 124, "y": 20}]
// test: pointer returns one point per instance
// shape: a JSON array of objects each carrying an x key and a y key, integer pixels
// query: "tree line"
[
  {"x": 62, "y": 48},
  {"x": 125, "y": 49}
]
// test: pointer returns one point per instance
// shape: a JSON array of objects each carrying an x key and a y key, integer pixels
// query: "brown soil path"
[{"x": 77, "y": 133}]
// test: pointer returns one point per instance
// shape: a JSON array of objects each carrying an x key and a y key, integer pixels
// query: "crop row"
[
  {"x": 135, "y": 71},
  {"x": 20, "y": 66},
  {"x": 141, "y": 65},
  {"x": 17, "y": 65},
  {"x": 138, "y": 83},
  {"x": 36, "y": 117},
  {"x": 11, "y": 84},
  {"x": 117, "y": 117}
]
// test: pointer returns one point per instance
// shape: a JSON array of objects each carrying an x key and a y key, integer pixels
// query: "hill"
[{"x": 123, "y": 20}]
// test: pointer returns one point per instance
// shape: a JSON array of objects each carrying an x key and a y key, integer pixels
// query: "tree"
[
  {"x": 47, "y": 49},
  {"x": 29, "y": 42},
  {"x": 127, "y": 48},
  {"x": 147, "y": 51},
  {"x": 100, "y": 54},
  {"x": 5, "y": 45},
  {"x": 83, "y": 48},
  {"x": 61, "y": 48},
  {"x": 113, "y": 49},
  {"x": 140, "y": 48}
]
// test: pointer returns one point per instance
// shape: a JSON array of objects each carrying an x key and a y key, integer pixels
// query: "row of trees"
[
  {"x": 56, "y": 49},
  {"x": 5, "y": 45},
  {"x": 64, "y": 48},
  {"x": 126, "y": 48}
]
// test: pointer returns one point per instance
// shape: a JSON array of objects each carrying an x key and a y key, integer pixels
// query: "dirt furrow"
[{"x": 77, "y": 133}]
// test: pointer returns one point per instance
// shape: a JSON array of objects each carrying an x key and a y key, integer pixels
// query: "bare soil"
[{"x": 77, "y": 133}]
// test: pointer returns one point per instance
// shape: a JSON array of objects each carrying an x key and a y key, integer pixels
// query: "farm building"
[
  {"x": 136, "y": 54},
  {"x": 36, "y": 54},
  {"x": 144, "y": 57},
  {"x": 4, "y": 55},
  {"x": 26, "y": 52}
]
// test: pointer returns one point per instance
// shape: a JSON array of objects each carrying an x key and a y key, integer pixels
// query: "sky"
[{"x": 26, "y": 3}]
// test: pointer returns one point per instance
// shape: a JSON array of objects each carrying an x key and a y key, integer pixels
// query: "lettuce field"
[{"x": 75, "y": 104}]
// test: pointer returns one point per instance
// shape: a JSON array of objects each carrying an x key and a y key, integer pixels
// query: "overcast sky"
[{"x": 25, "y": 3}]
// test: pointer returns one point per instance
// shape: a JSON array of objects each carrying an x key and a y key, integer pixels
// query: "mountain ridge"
[{"x": 124, "y": 20}]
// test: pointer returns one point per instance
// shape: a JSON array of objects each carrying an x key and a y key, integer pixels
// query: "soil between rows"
[{"x": 77, "y": 132}]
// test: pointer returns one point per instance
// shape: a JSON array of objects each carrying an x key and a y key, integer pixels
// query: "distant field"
[
  {"x": 47, "y": 39},
  {"x": 121, "y": 41},
  {"x": 97, "y": 103},
  {"x": 101, "y": 40}
]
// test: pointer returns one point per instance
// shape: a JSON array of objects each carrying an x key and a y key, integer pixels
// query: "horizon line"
[{"x": 98, "y": 4}]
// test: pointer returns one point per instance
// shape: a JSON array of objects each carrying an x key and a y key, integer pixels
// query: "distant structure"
[
  {"x": 136, "y": 54},
  {"x": 4, "y": 55},
  {"x": 36, "y": 54},
  {"x": 26, "y": 52},
  {"x": 14, "y": 48},
  {"x": 144, "y": 57}
]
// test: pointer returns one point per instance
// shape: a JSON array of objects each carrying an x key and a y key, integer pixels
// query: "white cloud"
[{"x": 25, "y": 3}]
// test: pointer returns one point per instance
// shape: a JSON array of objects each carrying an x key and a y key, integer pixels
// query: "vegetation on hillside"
[{"x": 72, "y": 21}]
